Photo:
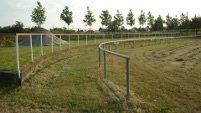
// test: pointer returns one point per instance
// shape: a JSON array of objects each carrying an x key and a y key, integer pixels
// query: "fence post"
[
  {"x": 69, "y": 41},
  {"x": 99, "y": 57},
  {"x": 17, "y": 58},
  {"x": 60, "y": 42},
  {"x": 41, "y": 44},
  {"x": 78, "y": 40},
  {"x": 95, "y": 39},
  {"x": 104, "y": 37},
  {"x": 52, "y": 44},
  {"x": 86, "y": 39},
  {"x": 105, "y": 73},
  {"x": 109, "y": 47},
  {"x": 127, "y": 79},
  {"x": 31, "y": 48},
  {"x": 112, "y": 37}
]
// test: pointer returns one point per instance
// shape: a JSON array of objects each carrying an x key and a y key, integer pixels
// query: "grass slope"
[
  {"x": 69, "y": 83},
  {"x": 164, "y": 78}
]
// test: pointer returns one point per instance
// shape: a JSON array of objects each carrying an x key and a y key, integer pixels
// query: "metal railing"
[
  {"x": 80, "y": 37},
  {"x": 120, "y": 55},
  {"x": 102, "y": 48}
]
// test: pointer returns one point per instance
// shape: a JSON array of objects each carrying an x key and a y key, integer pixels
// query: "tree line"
[{"x": 154, "y": 24}]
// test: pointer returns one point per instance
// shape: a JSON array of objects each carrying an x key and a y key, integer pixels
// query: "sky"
[{"x": 20, "y": 10}]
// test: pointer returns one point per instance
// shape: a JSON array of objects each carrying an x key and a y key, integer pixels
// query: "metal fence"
[
  {"x": 74, "y": 40},
  {"x": 105, "y": 48}
]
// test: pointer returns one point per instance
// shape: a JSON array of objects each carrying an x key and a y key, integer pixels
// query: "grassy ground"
[
  {"x": 8, "y": 54},
  {"x": 164, "y": 78},
  {"x": 69, "y": 83}
]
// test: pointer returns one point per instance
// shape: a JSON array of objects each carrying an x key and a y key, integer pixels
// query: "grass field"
[
  {"x": 164, "y": 78},
  {"x": 8, "y": 54}
]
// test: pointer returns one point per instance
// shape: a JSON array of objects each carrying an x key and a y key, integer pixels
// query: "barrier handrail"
[
  {"x": 115, "y": 53},
  {"x": 120, "y": 55},
  {"x": 17, "y": 35}
]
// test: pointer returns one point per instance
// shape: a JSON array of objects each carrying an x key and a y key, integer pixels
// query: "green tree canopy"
[
  {"x": 89, "y": 18},
  {"x": 169, "y": 22},
  {"x": 38, "y": 14},
  {"x": 196, "y": 23},
  {"x": 118, "y": 18},
  {"x": 113, "y": 26},
  {"x": 175, "y": 21},
  {"x": 67, "y": 16},
  {"x": 130, "y": 20},
  {"x": 184, "y": 22},
  {"x": 18, "y": 27},
  {"x": 105, "y": 17},
  {"x": 142, "y": 18},
  {"x": 150, "y": 19},
  {"x": 183, "y": 17},
  {"x": 158, "y": 23}
]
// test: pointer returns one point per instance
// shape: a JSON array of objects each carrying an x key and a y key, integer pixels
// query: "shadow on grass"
[
  {"x": 43, "y": 68},
  {"x": 6, "y": 88}
]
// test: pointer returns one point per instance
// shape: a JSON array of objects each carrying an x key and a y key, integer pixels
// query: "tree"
[
  {"x": 183, "y": 17},
  {"x": 195, "y": 24},
  {"x": 105, "y": 17},
  {"x": 150, "y": 20},
  {"x": 130, "y": 20},
  {"x": 38, "y": 14},
  {"x": 118, "y": 18},
  {"x": 184, "y": 22},
  {"x": 142, "y": 18},
  {"x": 169, "y": 22},
  {"x": 67, "y": 16},
  {"x": 113, "y": 27},
  {"x": 158, "y": 23},
  {"x": 17, "y": 27},
  {"x": 89, "y": 18},
  {"x": 1, "y": 29},
  {"x": 175, "y": 21}
]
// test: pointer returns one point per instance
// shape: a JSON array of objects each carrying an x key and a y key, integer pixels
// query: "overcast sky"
[{"x": 20, "y": 10}]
